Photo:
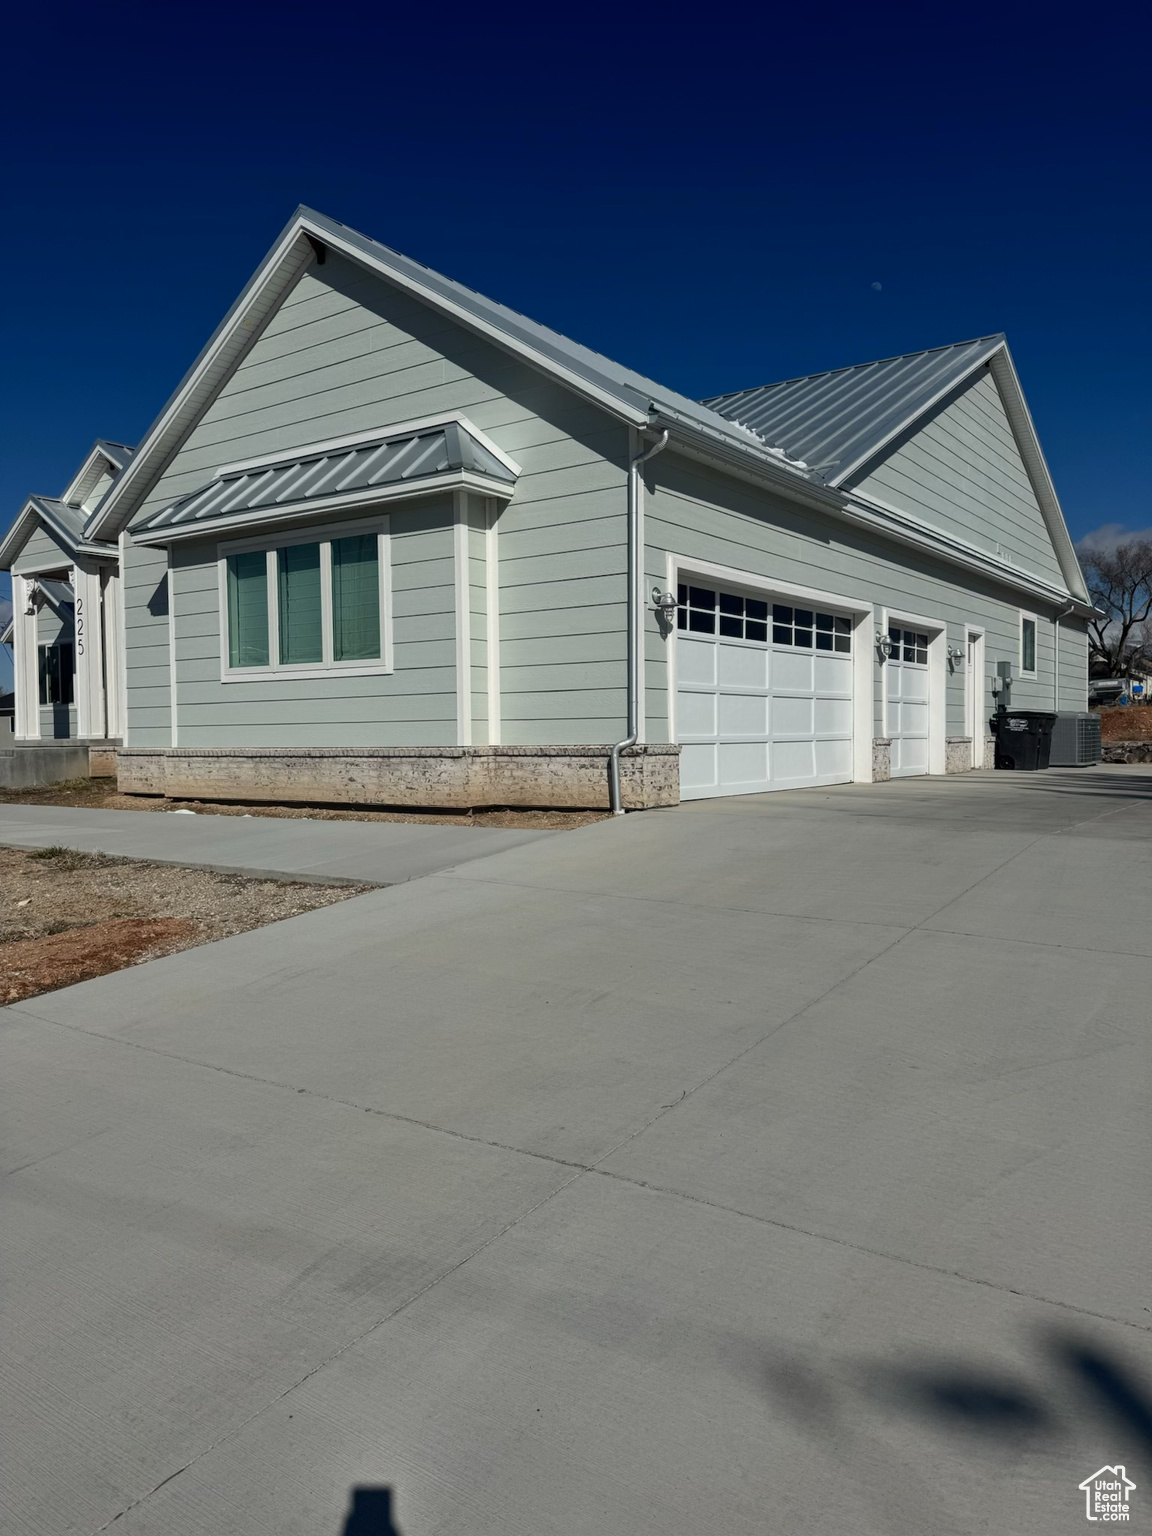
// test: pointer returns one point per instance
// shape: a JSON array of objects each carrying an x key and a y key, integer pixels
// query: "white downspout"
[
  {"x": 1056, "y": 617},
  {"x": 635, "y": 618}
]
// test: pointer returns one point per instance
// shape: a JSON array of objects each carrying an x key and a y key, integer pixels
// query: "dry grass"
[
  {"x": 67, "y": 916},
  {"x": 102, "y": 795}
]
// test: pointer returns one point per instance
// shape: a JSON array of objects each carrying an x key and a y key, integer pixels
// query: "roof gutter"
[{"x": 635, "y": 615}]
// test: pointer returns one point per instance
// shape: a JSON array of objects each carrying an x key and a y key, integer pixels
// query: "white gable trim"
[{"x": 998, "y": 360}]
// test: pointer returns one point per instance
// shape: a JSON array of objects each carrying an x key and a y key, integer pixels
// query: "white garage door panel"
[
  {"x": 906, "y": 681},
  {"x": 792, "y": 717},
  {"x": 743, "y": 714},
  {"x": 697, "y": 713},
  {"x": 763, "y": 695}
]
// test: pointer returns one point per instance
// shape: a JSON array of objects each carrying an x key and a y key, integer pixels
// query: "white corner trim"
[
  {"x": 173, "y": 729},
  {"x": 122, "y": 643},
  {"x": 399, "y": 429},
  {"x": 463, "y": 621},
  {"x": 492, "y": 617},
  {"x": 25, "y": 672}
]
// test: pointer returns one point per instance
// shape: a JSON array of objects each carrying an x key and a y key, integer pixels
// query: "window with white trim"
[
  {"x": 311, "y": 602},
  {"x": 1027, "y": 645}
]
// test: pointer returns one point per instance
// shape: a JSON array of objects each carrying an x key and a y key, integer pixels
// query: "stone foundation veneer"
[
  {"x": 881, "y": 759},
  {"x": 958, "y": 754},
  {"x": 425, "y": 778}
]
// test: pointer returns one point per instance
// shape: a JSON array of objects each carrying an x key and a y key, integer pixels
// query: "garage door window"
[
  {"x": 704, "y": 611},
  {"x": 908, "y": 645},
  {"x": 707, "y": 612},
  {"x": 805, "y": 628}
]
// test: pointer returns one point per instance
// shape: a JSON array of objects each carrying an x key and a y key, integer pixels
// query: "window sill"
[{"x": 300, "y": 674}]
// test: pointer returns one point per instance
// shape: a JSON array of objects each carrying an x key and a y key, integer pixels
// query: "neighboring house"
[
  {"x": 392, "y": 541},
  {"x": 66, "y": 620}
]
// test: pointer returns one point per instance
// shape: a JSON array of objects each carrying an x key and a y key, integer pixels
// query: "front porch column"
[
  {"x": 90, "y": 721},
  {"x": 26, "y": 669}
]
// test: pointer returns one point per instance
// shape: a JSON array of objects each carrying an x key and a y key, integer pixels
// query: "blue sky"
[{"x": 718, "y": 197}]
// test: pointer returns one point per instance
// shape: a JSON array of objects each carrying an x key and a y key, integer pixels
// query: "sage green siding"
[
  {"x": 40, "y": 551},
  {"x": 415, "y": 705},
  {"x": 700, "y": 514},
  {"x": 145, "y": 578},
  {"x": 347, "y": 353},
  {"x": 478, "y": 621},
  {"x": 961, "y": 471}
]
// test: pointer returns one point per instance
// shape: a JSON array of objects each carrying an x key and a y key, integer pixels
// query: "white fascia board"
[
  {"x": 76, "y": 487},
  {"x": 921, "y": 411},
  {"x": 18, "y": 535},
  {"x": 921, "y": 536},
  {"x": 856, "y": 509},
  {"x": 260, "y": 517},
  {"x": 218, "y": 360},
  {"x": 335, "y": 239},
  {"x": 1028, "y": 441},
  {"x": 398, "y": 430},
  {"x": 241, "y": 327}
]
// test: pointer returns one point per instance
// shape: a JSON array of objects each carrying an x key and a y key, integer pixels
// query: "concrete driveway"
[
  {"x": 776, "y": 1164},
  {"x": 379, "y": 852}
]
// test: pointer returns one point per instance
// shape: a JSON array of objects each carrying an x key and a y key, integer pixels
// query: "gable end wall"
[
  {"x": 961, "y": 471},
  {"x": 346, "y": 353}
]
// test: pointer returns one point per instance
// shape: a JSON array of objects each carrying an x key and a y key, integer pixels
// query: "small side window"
[{"x": 1027, "y": 646}]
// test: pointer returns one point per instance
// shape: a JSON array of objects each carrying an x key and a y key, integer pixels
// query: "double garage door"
[{"x": 763, "y": 694}]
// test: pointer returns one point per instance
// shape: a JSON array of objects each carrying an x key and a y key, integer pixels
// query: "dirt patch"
[
  {"x": 67, "y": 916},
  {"x": 1131, "y": 722},
  {"x": 102, "y": 794},
  {"x": 32, "y": 966}
]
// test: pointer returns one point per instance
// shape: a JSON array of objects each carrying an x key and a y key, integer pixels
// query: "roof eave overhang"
[
  {"x": 850, "y": 509},
  {"x": 257, "y": 518},
  {"x": 998, "y": 360},
  {"x": 241, "y": 328},
  {"x": 33, "y": 512}
]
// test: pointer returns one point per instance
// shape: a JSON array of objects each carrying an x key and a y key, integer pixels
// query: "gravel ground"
[
  {"x": 67, "y": 916},
  {"x": 102, "y": 794}
]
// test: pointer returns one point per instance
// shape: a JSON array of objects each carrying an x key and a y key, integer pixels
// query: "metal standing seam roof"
[
  {"x": 385, "y": 460},
  {"x": 836, "y": 421}
]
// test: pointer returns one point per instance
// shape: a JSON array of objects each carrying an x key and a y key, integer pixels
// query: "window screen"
[
  {"x": 355, "y": 598},
  {"x": 248, "y": 610}
]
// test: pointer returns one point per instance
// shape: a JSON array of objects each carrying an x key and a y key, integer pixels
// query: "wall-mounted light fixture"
[
  {"x": 665, "y": 604},
  {"x": 955, "y": 657},
  {"x": 884, "y": 643}
]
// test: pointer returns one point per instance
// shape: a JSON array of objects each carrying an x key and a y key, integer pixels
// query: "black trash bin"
[{"x": 1023, "y": 738}]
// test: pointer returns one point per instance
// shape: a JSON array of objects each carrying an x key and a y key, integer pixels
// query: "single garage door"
[
  {"x": 906, "y": 677},
  {"x": 763, "y": 694}
]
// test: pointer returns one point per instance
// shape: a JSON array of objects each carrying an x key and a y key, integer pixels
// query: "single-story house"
[{"x": 391, "y": 541}]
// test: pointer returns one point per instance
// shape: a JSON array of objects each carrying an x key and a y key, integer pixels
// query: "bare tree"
[{"x": 1120, "y": 584}]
